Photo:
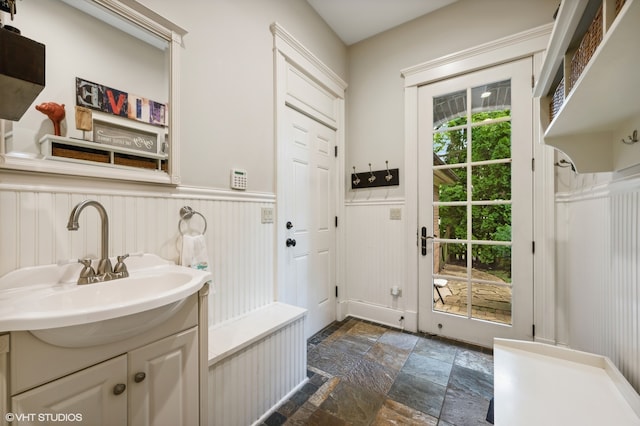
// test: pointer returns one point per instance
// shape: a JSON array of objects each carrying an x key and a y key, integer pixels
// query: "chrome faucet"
[{"x": 104, "y": 272}]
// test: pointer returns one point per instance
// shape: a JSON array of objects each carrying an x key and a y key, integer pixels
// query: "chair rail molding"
[{"x": 28, "y": 182}]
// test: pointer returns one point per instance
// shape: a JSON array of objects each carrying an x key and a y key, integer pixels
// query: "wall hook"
[
  {"x": 388, "y": 176},
  {"x": 372, "y": 177},
  {"x": 564, "y": 163},
  {"x": 376, "y": 178},
  {"x": 632, "y": 139},
  {"x": 356, "y": 181}
]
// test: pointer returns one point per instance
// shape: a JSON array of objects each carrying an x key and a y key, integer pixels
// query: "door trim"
[
  {"x": 293, "y": 61},
  {"x": 527, "y": 43}
]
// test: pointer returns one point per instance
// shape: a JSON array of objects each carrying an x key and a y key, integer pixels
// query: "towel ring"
[{"x": 187, "y": 213}]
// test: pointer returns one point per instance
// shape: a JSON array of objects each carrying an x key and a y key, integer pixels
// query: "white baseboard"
[
  {"x": 381, "y": 315},
  {"x": 342, "y": 310}
]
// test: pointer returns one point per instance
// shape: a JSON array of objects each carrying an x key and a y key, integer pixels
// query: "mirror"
[{"x": 116, "y": 61}]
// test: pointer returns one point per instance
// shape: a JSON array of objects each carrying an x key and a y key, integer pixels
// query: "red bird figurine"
[{"x": 55, "y": 112}]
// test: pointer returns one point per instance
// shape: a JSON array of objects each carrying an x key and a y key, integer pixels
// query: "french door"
[{"x": 475, "y": 205}]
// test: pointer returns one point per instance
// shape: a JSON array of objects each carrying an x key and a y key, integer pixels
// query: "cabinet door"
[
  {"x": 96, "y": 395},
  {"x": 163, "y": 382}
]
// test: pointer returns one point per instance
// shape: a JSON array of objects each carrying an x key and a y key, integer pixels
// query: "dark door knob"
[
  {"x": 289, "y": 225},
  {"x": 119, "y": 388},
  {"x": 139, "y": 377},
  {"x": 291, "y": 242}
]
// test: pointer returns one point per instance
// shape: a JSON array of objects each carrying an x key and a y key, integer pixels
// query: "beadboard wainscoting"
[
  {"x": 33, "y": 222},
  {"x": 249, "y": 384},
  {"x": 375, "y": 256},
  {"x": 598, "y": 280}
]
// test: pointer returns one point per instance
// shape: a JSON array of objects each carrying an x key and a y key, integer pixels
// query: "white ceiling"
[{"x": 355, "y": 20}]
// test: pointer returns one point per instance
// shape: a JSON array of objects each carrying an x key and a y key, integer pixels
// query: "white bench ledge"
[
  {"x": 236, "y": 334},
  {"x": 538, "y": 384}
]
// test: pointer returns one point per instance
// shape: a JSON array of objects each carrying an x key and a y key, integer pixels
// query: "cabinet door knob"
[
  {"x": 290, "y": 242},
  {"x": 119, "y": 388},
  {"x": 139, "y": 377}
]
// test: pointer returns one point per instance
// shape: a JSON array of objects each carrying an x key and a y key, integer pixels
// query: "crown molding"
[
  {"x": 294, "y": 51},
  {"x": 488, "y": 54}
]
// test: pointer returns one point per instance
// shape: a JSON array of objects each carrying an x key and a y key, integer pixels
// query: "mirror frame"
[{"x": 135, "y": 13}]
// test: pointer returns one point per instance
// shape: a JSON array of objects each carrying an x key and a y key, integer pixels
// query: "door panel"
[
  {"x": 310, "y": 207},
  {"x": 167, "y": 393},
  {"x": 89, "y": 394},
  {"x": 475, "y": 180}
]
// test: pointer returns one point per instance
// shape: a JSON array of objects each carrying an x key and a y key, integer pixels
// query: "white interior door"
[
  {"x": 475, "y": 205},
  {"x": 309, "y": 216}
]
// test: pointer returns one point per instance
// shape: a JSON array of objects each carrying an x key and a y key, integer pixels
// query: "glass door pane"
[{"x": 472, "y": 202}]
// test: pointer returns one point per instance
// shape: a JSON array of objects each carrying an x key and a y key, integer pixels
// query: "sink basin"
[{"x": 46, "y": 301}]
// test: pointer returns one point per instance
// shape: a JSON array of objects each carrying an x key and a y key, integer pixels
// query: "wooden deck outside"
[{"x": 490, "y": 302}]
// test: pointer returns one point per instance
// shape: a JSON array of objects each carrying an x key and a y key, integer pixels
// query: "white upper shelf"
[
  {"x": 606, "y": 94},
  {"x": 565, "y": 25}
]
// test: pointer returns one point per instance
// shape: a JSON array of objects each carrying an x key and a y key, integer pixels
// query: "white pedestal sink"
[{"x": 46, "y": 301}]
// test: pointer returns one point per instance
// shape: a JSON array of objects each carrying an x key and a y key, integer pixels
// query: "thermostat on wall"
[{"x": 238, "y": 179}]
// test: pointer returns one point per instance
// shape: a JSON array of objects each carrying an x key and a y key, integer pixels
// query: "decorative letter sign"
[{"x": 116, "y": 102}]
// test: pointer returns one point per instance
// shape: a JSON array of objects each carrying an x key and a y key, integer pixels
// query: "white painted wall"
[
  {"x": 376, "y": 133},
  {"x": 227, "y": 98},
  {"x": 375, "y": 99},
  {"x": 376, "y": 262},
  {"x": 226, "y": 87},
  {"x": 227, "y": 82}
]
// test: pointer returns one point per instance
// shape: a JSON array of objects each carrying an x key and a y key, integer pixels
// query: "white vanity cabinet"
[
  {"x": 156, "y": 384},
  {"x": 163, "y": 381},
  {"x": 152, "y": 378},
  {"x": 88, "y": 395}
]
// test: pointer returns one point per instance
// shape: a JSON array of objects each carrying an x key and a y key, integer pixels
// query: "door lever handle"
[{"x": 423, "y": 240}]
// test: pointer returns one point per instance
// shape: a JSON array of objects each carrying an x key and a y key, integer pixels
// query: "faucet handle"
[
  {"x": 87, "y": 271},
  {"x": 121, "y": 267},
  {"x": 86, "y": 262}
]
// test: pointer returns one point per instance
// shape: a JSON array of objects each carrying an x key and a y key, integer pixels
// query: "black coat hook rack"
[{"x": 375, "y": 178}]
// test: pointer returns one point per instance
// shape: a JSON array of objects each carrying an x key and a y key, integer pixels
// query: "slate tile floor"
[{"x": 361, "y": 373}]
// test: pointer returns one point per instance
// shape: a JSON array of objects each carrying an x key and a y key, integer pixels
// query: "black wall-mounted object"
[
  {"x": 362, "y": 179},
  {"x": 8, "y": 7},
  {"x": 22, "y": 64}
]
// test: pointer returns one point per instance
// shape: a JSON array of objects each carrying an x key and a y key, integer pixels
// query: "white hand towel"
[{"x": 194, "y": 252}]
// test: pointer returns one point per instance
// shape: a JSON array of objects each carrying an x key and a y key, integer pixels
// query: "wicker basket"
[
  {"x": 588, "y": 45},
  {"x": 556, "y": 100},
  {"x": 619, "y": 4}
]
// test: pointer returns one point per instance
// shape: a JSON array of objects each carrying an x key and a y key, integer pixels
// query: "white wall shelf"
[
  {"x": 69, "y": 149},
  {"x": 604, "y": 99}
]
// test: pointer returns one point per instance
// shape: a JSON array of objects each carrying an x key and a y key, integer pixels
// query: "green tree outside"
[{"x": 489, "y": 182}]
